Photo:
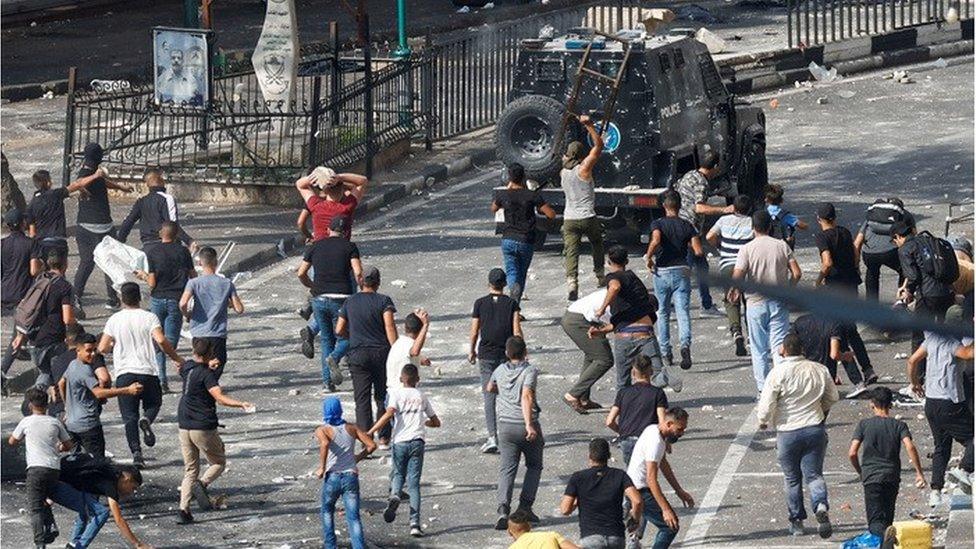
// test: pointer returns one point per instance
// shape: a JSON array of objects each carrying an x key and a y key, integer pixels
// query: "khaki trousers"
[{"x": 192, "y": 442}]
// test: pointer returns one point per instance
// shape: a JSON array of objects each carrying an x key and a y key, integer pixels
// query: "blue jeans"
[
  {"x": 408, "y": 464},
  {"x": 801, "y": 457},
  {"x": 92, "y": 514},
  {"x": 700, "y": 265},
  {"x": 768, "y": 322},
  {"x": 673, "y": 283},
  {"x": 313, "y": 325},
  {"x": 326, "y": 313},
  {"x": 347, "y": 486},
  {"x": 517, "y": 257},
  {"x": 169, "y": 315},
  {"x": 654, "y": 515}
]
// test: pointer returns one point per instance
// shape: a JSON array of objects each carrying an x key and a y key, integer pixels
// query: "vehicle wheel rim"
[{"x": 532, "y": 137}]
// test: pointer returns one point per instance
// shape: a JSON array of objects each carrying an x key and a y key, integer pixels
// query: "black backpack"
[
  {"x": 938, "y": 259},
  {"x": 882, "y": 215},
  {"x": 781, "y": 231}
]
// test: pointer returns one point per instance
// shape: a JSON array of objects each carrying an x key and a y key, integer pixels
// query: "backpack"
[
  {"x": 882, "y": 215},
  {"x": 31, "y": 311},
  {"x": 83, "y": 470},
  {"x": 938, "y": 259},
  {"x": 781, "y": 231}
]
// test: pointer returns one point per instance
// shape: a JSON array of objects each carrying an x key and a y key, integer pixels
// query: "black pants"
[
  {"x": 91, "y": 441},
  {"x": 368, "y": 369},
  {"x": 932, "y": 308},
  {"x": 8, "y": 325},
  {"x": 87, "y": 241},
  {"x": 879, "y": 503},
  {"x": 218, "y": 345},
  {"x": 948, "y": 421},
  {"x": 151, "y": 399},
  {"x": 40, "y": 485},
  {"x": 872, "y": 271}
]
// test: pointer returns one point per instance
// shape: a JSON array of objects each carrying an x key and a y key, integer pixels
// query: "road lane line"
[{"x": 709, "y": 504}]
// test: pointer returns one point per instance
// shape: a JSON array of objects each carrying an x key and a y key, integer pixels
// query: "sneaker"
[
  {"x": 740, "y": 346},
  {"x": 147, "y": 433},
  {"x": 200, "y": 494},
  {"x": 383, "y": 444},
  {"x": 824, "y": 529},
  {"x": 935, "y": 498},
  {"x": 138, "y": 461},
  {"x": 389, "y": 515},
  {"x": 334, "y": 372},
  {"x": 962, "y": 479},
  {"x": 502, "y": 522},
  {"x": 308, "y": 342},
  {"x": 490, "y": 446},
  {"x": 305, "y": 311},
  {"x": 685, "y": 358},
  {"x": 668, "y": 359},
  {"x": 712, "y": 312},
  {"x": 857, "y": 391},
  {"x": 573, "y": 295},
  {"x": 416, "y": 532},
  {"x": 533, "y": 519},
  {"x": 330, "y": 387},
  {"x": 796, "y": 528},
  {"x": 112, "y": 305},
  {"x": 184, "y": 517},
  {"x": 870, "y": 378}
]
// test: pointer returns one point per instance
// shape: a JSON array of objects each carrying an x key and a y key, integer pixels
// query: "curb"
[
  {"x": 427, "y": 176},
  {"x": 748, "y": 73},
  {"x": 960, "y": 526}
]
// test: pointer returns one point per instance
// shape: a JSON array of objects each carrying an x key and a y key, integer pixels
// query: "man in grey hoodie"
[{"x": 517, "y": 416}]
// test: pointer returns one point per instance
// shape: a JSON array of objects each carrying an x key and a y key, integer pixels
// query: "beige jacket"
[{"x": 797, "y": 394}]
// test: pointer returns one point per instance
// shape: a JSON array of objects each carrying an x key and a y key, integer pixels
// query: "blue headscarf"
[{"x": 332, "y": 411}]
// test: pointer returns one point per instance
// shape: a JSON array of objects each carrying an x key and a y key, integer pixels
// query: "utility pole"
[{"x": 403, "y": 49}]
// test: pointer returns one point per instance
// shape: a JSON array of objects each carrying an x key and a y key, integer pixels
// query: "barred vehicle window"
[{"x": 710, "y": 77}]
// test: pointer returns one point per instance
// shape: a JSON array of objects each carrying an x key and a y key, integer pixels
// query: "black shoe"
[
  {"x": 308, "y": 342},
  {"x": 685, "y": 358},
  {"x": 669, "y": 359},
  {"x": 740, "y": 345},
  {"x": 184, "y": 517},
  {"x": 147, "y": 433},
  {"x": 305, "y": 311},
  {"x": 335, "y": 373},
  {"x": 824, "y": 529},
  {"x": 533, "y": 519},
  {"x": 573, "y": 295},
  {"x": 502, "y": 522},
  {"x": 200, "y": 494},
  {"x": 138, "y": 461},
  {"x": 389, "y": 515},
  {"x": 870, "y": 378},
  {"x": 23, "y": 354},
  {"x": 331, "y": 388}
]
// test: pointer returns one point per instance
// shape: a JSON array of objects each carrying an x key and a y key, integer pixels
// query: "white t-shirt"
[
  {"x": 589, "y": 304},
  {"x": 649, "y": 447},
  {"x": 412, "y": 410},
  {"x": 134, "y": 352},
  {"x": 43, "y": 434},
  {"x": 398, "y": 358}
]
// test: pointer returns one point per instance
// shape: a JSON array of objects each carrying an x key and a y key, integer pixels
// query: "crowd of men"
[{"x": 622, "y": 327}]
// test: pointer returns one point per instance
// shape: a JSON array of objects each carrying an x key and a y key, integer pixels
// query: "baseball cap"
[
  {"x": 13, "y": 217},
  {"x": 339, "y": 224},
  {"x": 826, "y": 211},
  {"x": 496, "y": 277},
  {"x": 371, "y": 275}
]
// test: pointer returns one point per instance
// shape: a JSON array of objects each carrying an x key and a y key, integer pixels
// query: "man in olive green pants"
[{"x": 579, "y": 215}]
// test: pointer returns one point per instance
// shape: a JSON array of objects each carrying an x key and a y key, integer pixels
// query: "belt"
[{"x": 634, "y": 335}]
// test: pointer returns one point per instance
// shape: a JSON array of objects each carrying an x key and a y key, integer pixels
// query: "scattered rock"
[
  {"x": 822, "y": 100},
  {"x": 295, "y": 392},
  {"x": 712, "y": 41},
  {"x": 708, "y": 408},
  {"x": 463, "y": 9},
  {"x": 399, "y": 283}
]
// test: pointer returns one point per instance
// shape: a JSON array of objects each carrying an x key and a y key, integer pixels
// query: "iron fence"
[{"x": 813, "y": 22}]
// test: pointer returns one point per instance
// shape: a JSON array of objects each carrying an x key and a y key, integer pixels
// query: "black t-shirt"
[
  {"x": 598, "y": 492},
  {"x": 197, "y": 409},
  {"x": 839, "y": 242},
  {"x": 93, "y": 207},
  {"x": 363, "y": 312},
  {"x": 519, "y": 206},
  {"x": 881, "y": 448},
  {"x": 331, "y": 258},
  {"x": 815, "y": 335},
  {"x": 46, "y": 213},
  {"x": 171, "y": 262},
  {"x": 676, "y": 234},
  {"x": 16, "y": 251},
  {"x": 638, "y": 406},
  {"x": 97, "y": 476},
  {"x": 632, "y": 303},
  {"x": 495, "y": 311},
  {"x": 52, "y": 327}
]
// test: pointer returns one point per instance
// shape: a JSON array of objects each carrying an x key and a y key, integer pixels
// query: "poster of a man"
[{"x": 181, "y": 67}]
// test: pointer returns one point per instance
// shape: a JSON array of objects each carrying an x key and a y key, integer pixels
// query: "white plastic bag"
[{"x": 119, "y": 261}]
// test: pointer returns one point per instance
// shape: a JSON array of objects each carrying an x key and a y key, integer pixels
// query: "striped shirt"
[{"x": 735, "y": 231}]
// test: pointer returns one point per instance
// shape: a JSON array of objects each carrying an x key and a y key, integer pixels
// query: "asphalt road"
[{"x": 913, "y": 141}]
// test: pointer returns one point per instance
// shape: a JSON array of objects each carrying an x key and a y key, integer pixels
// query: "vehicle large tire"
[
  {"x": 753, "y": 173},
  {"x": 526, "y": 132}
]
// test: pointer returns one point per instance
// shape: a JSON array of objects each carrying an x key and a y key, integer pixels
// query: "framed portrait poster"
[{"x": 182, "y": 74}]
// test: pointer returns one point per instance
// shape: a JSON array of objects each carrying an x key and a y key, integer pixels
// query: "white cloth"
[
  {"x": 43, "y": 433},
  {"x": 412, "y": 410},
  {"x": 650, "y": 446},
  {"x": 797, "y": 394},
  {"x": 119, "y": 261},
  {"x": 399, "y": 357},
  {"x": 132, "y": 331},
  {"x": 588, "y": 305}
]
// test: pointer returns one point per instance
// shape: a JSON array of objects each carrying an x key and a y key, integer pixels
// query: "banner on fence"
[
  {"x": 276, "y": 57},
  {"x": 181, "y": 67}
]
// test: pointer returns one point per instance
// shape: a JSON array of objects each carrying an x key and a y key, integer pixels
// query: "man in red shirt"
[{"x": 327, "y": 194}]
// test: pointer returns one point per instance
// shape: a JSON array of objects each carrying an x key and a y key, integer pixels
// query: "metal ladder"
[{"x": 582, "y": 73}]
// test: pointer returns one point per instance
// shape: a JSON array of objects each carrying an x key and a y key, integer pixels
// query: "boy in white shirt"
[
  {"x": 46, "y": 436},
  {"x": 406, "y": 349},
  {"x": 129, "y": 335},
  {"x": 412, "y": 412}
]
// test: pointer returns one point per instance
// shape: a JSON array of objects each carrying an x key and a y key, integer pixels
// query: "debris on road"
[
  {"x": 463, "y": 9},
  {"x": 846, "y": 94},
  {"x": 712, "y": 41},
  {"x": 821, "y": 74},
  {"x": 773, "y": 103},
  {"x": 488, "y": 6},
  {"x": 822, "y": 100},
  {"x": 398, "y": 283}
]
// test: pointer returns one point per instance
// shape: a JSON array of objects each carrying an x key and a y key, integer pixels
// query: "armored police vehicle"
[{"x": 671, "y": 107}]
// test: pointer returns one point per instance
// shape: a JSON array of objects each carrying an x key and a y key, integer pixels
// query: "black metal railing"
[{"x": 813, "y": 22}]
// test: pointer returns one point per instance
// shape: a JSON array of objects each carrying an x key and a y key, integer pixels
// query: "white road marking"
[{"x": 710, "y": 503}]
